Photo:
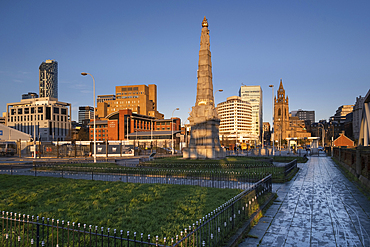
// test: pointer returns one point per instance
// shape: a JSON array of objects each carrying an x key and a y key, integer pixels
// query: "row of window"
[
  {"x": 40, "y": 109},
  {"x": 123, "y": 89},
  {"x": 127, "y": 97},
  {"x": 98, "y": 130},
  {"x": 103, "y": 135},
  {"x": 39, "y": 117},
  {"x": 54, "y": 130}
]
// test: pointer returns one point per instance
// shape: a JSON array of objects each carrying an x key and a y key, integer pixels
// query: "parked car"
[
  {"x": 8, "y": 148},
  {"x": 321, "y": 148}
]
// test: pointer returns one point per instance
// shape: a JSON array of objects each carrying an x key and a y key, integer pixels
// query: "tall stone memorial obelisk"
[{"x": 204, "y": 120}]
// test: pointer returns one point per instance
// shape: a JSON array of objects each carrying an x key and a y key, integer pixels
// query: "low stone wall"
[{"x": 356, "y": 160}]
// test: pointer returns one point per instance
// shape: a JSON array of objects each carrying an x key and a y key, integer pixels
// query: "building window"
[{"x": 39, "y": 109}]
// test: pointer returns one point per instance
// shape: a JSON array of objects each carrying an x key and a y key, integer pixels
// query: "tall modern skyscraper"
[
  {"x": 85, "y": 113},
  {"x": 253, "y": 94},
  {"x": 48, "y": 79}
]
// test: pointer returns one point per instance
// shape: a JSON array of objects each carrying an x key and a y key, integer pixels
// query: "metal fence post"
[{"x": 37, "y": 232}]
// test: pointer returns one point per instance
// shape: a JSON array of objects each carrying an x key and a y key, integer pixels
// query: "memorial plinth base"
[
  {"x": 204, "y": 141},
  {"x": 203, "y": 153}
]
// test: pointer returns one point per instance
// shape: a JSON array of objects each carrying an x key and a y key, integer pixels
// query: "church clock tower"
[{"x": 281, "y": 114}]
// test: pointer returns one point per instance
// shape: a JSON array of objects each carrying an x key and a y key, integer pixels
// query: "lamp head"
[
  {"x": 83, "y": 73},
  {"x": 271, "y": 85}
]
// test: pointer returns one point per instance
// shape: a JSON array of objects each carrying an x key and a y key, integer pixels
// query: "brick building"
[
  {"x": 121, "y": 125},
  {"x": 343, "y": 141},
  {"x": 140, "y": 99}
]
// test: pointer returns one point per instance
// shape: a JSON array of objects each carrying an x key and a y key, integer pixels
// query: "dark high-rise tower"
[{"x": 48, "y": 79}]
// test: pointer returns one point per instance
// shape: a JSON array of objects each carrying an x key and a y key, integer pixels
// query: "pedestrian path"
[{"x": 319, "y": 207}]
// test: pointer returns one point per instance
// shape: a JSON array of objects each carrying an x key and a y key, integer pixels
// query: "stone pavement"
[{"x": 319, "y": 207}]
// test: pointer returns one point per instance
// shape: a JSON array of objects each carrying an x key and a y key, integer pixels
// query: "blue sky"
[{"x": 321, "y": 49}]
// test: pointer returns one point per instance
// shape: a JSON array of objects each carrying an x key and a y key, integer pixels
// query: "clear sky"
[{"x": 321, "y": 49}]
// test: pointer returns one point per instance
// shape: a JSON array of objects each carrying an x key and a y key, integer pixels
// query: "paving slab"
[{"x": 318, "y": 207}]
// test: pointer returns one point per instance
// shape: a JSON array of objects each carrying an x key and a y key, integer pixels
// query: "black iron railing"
[{"x": 212, "y": 230}]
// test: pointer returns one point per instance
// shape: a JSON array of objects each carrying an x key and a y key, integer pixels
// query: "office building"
[
  {"x": 29, "y": 95},
  {"x": 253, "y": 94},
  {"x": 85, "y": 113},
  {"x": 140, "y": 99},
  {"x": 46, "y": 118},
  {"x": 130, "y": 126},
  {"x": 48, "y": 79},
  {"x": 235, "y": 122},
  {"x": 357, "y": 116},
  {"x": 304, "y": 115},
  {"x": 103, "y": 98}
]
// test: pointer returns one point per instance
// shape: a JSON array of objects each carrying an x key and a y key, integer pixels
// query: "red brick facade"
[
  {"x": 343, "y": 141},
  {"x": 115, "y": 128}
]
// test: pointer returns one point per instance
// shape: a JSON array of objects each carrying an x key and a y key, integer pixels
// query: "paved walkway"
[{"x": 319, "y": 207}]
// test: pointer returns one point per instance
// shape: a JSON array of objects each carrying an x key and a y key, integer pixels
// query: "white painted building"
[
  {"x": 236, "y": 120},
  {"x": 253, "y": 95},
  {"x": 47, "y": 117},
  {"x": 364, "y": 135},
  {"x": 10, "y": 134}
]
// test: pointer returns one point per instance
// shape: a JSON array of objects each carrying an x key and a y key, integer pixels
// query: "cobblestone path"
[{"x": 319, "y": 207}]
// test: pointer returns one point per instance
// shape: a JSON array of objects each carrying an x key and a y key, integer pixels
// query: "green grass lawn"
[{"x": 156, "y": 209}]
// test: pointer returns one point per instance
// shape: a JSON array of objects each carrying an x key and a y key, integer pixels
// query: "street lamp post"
[
  {"x": 151, "y": 135},
  {"x": 322, "y": 133},
  {"x": 219, "y": 90},
  {"x": 34, "y": 133},
  {"x": 172, "y": 128},
  {"x": 273, "y": 112},
  {"x": 84, "y": 74}
]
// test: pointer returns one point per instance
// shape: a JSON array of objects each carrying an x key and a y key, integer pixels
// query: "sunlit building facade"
[
  {"x": 253, "y": 95},
  {"x": 140, "y": 99},
  {"x": 46, "y": 119},
  {"x": 235, "y": 121}
]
